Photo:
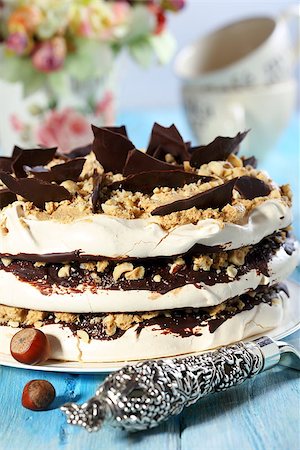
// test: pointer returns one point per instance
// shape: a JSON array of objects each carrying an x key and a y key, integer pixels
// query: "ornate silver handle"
[{"x": 142, "y": 395}]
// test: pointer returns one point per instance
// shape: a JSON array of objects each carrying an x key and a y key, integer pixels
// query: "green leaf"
[
  {"x": 16, "y": 69},
  {"x": 164, "y": 46},
  {"x": 90, "y": 60},
  {"x": 59, "y": 83},
  {"x": 142, "y": 52}
]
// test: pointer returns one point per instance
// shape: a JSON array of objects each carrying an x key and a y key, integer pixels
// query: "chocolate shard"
[
  {"x": 166, "y": 140},
  {"x": 97, "y": 185},
  {"x": 251, "y": 161},
  {"x": 138, "y": 162},
  {"x": 217, "y": 150},
  {"x": 216, "y": 197},
  {"x": 111, "y": 149},
  {"x": 31, "y": 157},
  {"x": 85, "y": 150},
  {"x": 70, "y": 170},
  {"x": 121, "y": 130},
  {"x": 6, "y": 164},
  {"x": 36, "y": 191},
  {"x": 16, "y": 152},
  {"x": 251, "y": 187},
  {"x": 6, "y": 197},
  {"x": 79, "y": 152},
  {"x": 145, "y": 182}
]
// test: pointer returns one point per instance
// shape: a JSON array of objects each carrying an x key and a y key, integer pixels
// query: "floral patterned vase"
[{"x": 45, "y": 119}]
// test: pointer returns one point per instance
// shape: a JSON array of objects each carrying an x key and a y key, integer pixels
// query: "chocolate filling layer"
[
  {"x": 78, "y": 256},
  {"x": 47, "y": 280}
]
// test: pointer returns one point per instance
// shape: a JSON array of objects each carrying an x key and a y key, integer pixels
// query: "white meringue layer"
[{"x": 109, "y": 236}]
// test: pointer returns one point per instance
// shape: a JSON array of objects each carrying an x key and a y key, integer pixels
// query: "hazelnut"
[
  {"x": 30, "y": 346},
  {"x": 38, "y": 395}
]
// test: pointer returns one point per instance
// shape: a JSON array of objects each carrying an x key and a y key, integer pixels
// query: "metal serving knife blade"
[{"x": 142, "y": 395}]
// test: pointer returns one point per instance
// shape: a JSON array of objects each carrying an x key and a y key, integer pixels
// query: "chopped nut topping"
[
  {"x": 65, "y": 317},
  {"x": 214, "y": 310},
  {"x": 83, "y": 335},
  {"x": 157, "y": 278},
  {"x": 109, "y": 325},
  {"x": 136, "y": 274},
  {"x": 177, "y": 265},
  {"x": 187, "y": 167},
  {"x": 286, "y": 191},
  {"x": 238, "y": 256},
  {"x": 71, "y": 186},
  {"x": 169, "y": 158},
  {"x": 203, "y": 262},
  {"x": 89, "y": 266},
  {"x": 264, "y": 280},
  {"x": 220, "y": 260},
  {"x": 235, "y": 160},
  {"x": 12, "y": 313},
  {"x": 39, "y": 264},
  {"x": 64, "y": 271},
  {"x": 6, "y": 261},
  {"x": 34, "y": 316},
  {"x": 231, "y": 271},
  {"x": 101, "y": 266},
  {"x": 216, "y": 167},
  {"x": 13, "y": 324},
  {"x": 120, "y": 269}
]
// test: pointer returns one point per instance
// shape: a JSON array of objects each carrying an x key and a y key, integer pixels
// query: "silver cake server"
[{"x": 142, "y": 395}]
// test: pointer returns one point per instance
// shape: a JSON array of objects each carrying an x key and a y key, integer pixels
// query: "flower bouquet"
[{"x": 65, "y": 50}]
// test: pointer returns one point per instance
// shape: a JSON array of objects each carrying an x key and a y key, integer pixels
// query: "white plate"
[{"x": 290, "y": 324}]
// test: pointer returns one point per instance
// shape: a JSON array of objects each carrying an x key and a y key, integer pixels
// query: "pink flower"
[
  {"x": 16, "y": 123},
  {"x": 66, "y": 129},
  {"x": 17, "y": 42},
  {"x": 120, "y": 12},
  {"x": 49, "y": 56}
]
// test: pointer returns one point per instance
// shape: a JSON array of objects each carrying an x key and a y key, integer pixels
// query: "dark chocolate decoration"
[
  {"x": 111, "y": 149},
  {"x": 251, "y": 161},
  {"x": 217, "y": 150},
  {"x": 36, "y": 191},
  {"x": 216, "y": 197},
  {"x": 79, "y": 152},
  {"x": 250, "y": 187},
  {"x": 97, "y": 185},
  {"x": 145, "y": 182},
  {"x": 6, "y": 197},
  {"x": 70, "y": 170},
  {"x": 138, "y": 162},
  {"x": 31, "y": 158},
  {"x": 6, "y": 164},
  {"x": 16, "y": 152},
  {"x": 85, "y": 150},
  {"x": 165, "y": 140},
  {"x": 121, "y": 130}
]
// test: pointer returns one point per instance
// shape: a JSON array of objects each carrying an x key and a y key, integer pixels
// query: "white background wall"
[{"x": 158, "y": 86}]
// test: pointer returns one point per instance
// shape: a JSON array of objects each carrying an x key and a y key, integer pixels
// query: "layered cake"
[{"x": 121, "y": 254}]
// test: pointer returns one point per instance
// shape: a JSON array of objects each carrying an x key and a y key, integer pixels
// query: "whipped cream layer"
[
  {"x": 113, "y": 237},
  {"x": 14, "y": 292},
  {"x": 152, "y": 342}
]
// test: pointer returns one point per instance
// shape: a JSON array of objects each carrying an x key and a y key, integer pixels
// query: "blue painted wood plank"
[{"x": 263, "y": 413}]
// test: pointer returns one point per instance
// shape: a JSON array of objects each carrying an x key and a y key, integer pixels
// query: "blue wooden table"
[{"x": 262, "y": 414}]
